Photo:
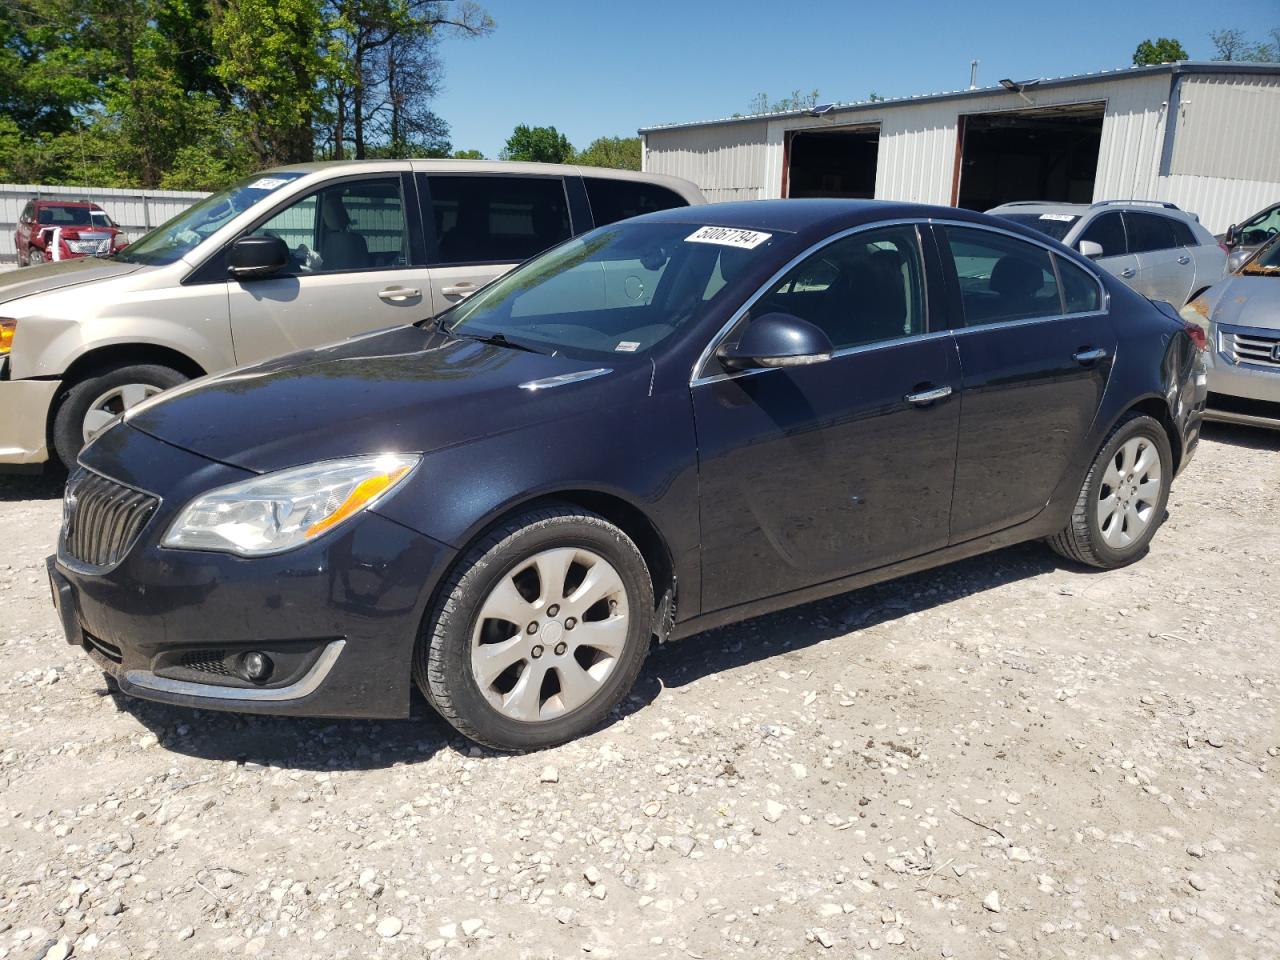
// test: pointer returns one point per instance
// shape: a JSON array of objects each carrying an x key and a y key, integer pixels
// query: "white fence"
[{"x": 136, "y": 211}]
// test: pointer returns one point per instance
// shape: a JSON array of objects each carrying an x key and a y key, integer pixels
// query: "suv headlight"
[
  {"x": 280, "y": 511},
  {"x": 7, "y": 330}
]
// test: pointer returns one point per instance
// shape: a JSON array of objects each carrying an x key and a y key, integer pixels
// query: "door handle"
[
  {"x": 1184, "y": 259},
  {"x": 928, "y": 396},
  {"x": 396, "y": 294},
  {"x": 459, "y": 290},
  {"x": 1089, "y": 356},
  {"x": 1128, "y": 273}
]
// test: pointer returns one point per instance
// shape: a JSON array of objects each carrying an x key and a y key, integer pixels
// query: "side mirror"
[
  {"x": 1090, "y": 248},
  {"x": 1233, "y": 235},
  {"x": 257, "y": 257},
  {"x": 776, "y": 340}
]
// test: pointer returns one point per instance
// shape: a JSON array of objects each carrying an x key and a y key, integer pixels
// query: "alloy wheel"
[
  {"x": 549, "y": 634},
  {"x": 112, "y": 403},
  {"x": 1129, "y": 492}
]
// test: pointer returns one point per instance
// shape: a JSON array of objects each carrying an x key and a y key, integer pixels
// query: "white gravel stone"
[{"x": 389, "y": 927}]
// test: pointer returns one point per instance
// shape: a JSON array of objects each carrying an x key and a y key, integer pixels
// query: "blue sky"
[{"x": 609, "y": 66}]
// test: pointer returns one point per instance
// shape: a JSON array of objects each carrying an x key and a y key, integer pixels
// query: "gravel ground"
[{"x": 1007, "y": 757}]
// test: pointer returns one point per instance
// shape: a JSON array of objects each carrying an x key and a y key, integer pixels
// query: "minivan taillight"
[{"x": 1196, "y": 333}]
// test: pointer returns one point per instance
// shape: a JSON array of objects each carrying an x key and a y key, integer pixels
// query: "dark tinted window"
[
  {"x": 65, "y": 216},
  {"x": 1002, "y": 278},
  {"x": 862, "y": 289},
  {"x": 1149, "y": 231},
  {"x": 614, "y": 200},
  {"x": 1079, "y": 287},
  {"x": 1108, "y": 232},
  {"x": 497, "y": 219},
  {"x": 1183, "y": 234}
]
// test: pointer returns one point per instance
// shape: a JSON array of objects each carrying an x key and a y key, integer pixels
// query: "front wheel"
[
  {"x": 540, "y": 631},
  {"x": 1122, "y": 502},
  {"x": 93, "y": 403}
]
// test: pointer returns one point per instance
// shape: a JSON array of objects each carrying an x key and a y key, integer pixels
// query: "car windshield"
[
  {"x": 1056, "y": 225},
  {"x": 621, "y": 289},
  {"x": 59, "y": 216},
  {"x": 175, "y": 239},
  {"x": 1264, "y": 263}
]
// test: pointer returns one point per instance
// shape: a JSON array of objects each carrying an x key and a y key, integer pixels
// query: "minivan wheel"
[
  {"x": 1122, "y": 502},
  {"x": 91, "y": 404},
  {"x": 540, "y": 631}
]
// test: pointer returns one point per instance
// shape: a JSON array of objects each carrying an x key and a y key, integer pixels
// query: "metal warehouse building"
[{"x": 1205, "y": 136}]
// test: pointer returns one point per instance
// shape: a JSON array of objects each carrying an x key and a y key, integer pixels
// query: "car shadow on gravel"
[
  {"x": 1253, "y": 438},
  {"x": 31, "y": 486},
  {"x": 338, "y": 745}
]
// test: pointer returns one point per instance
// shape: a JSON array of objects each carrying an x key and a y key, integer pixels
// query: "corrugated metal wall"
[
  {"x": 136, "y": 211},
  {"x": 1223, "y": 161}
]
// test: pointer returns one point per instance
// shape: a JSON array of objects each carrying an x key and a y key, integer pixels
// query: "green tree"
[
  {"x": 622, "y": 153},
  {"x": 1160, "y": 50},
  {"x": 468, "y": 155},
  {"x": 537, "y": 144},
  {"x": 761, "y": 103}
]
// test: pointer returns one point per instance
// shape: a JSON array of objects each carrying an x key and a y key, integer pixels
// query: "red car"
[{"x": 64, "y": 230}]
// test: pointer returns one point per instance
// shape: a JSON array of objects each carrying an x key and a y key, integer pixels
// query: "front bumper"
[
  {"x": 338, "y": 618},
  {"x": 24, "y": 419},
  {"x": 1242, "y": 392}
]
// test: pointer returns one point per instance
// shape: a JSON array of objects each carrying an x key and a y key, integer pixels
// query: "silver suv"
[
  {"x": 1157, "y": 249},
  {"x": 286, "y": 259}
]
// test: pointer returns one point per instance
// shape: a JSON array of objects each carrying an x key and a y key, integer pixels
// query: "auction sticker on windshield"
[
  {"x": 728, "y": 237},
  {"x": 1060, "y": 217},
  {"x": 269, "y": 183}
]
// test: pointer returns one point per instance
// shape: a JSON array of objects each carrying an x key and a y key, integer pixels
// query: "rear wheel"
[
  {"x": 35, "y": 257},
  {"x": 540, "y": 632},
  {"x": 93, "y": 403},
  {"x": 1122, "y": 502}
]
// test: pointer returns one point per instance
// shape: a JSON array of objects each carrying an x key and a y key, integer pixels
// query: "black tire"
[
  {"x": 35, "y": 258},
  {"x": 68, "y": 420},
  {"x": 1082, "y": 539},
  {"x": 442, "y": 658}
]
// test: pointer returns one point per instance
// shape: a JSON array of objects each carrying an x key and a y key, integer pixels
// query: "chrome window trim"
[
  {"x": 305, "y": 685},
  {"x": 1104, "y": 298}
]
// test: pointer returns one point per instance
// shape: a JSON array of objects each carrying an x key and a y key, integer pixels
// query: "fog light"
[{"x": 255, "y": 666}]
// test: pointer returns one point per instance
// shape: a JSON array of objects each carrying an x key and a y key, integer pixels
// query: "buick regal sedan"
[{"x": 670, "y": 423}]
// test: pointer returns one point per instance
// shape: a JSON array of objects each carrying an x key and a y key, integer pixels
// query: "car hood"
[
  {"x": 406, "y": 389},
  {"x": 29, "y": 281},
  {"x": 1246, "y": 301}
]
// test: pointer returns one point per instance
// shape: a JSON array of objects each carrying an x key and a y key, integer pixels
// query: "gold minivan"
[{"x": 286, "y": 259}]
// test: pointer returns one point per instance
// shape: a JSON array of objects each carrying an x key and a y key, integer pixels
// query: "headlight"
[{"x": 280, "y": 511}]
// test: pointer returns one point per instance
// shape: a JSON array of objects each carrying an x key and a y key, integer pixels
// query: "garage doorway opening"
[
  {"x": 1046, "y": 153},
  {"x": 833, "y": 163}
]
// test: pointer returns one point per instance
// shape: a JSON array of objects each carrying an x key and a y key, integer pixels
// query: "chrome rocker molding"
[{"x": 145, "y": 680}]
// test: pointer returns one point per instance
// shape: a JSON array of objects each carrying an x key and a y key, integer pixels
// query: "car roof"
[{"x": 810, "y": 215}]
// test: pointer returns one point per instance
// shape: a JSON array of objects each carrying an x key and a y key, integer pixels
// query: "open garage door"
[
  {"x": 833, "y": 162},
  {"x": 1043, "y": 153}
]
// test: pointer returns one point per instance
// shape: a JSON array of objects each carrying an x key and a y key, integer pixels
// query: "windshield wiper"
[{"x": 497, "y": 340}]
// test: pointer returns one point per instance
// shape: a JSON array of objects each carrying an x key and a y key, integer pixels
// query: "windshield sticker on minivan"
[
  {"x": 267, "y": 183},
  {"x": 1061, "y": 217},
  {"x": 728, "y": 237}
]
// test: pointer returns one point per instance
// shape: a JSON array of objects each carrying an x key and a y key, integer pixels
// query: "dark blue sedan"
[{"x": 671, "y": 423}]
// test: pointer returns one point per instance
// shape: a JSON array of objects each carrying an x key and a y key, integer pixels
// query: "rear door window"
[
  {"x": 1107, "y": 231},
  {"x": 496, "y": 219},
  {"x": 1149, "y": 232},
  {"x": 612, "y": 200},
  {"x": 1001, "y": 278},
  {"x": 1183, "y": 233}
]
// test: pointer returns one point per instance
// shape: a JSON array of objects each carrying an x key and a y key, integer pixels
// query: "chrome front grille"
[
  {"x": 1250, "y": 345},
  {"x": 101, "y": 519}
]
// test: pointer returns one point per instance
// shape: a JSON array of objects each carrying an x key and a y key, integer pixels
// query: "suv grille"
[
  {"x": 1250, "y": 345},
  {"x": 101, "y": 519}
]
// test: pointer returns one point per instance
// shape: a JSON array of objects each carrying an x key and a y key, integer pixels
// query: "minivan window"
[
  {"x": 613, "y": 200},
  {"x": 174, "y": 239},
  {"x": 1107, "y": 231},
  {"x": 1148, "y": 232},
  {"x": 614, "y": 292},
  {"x": 1002, "y": 278},
  {"x": 353, "y": 225},
  {"x": 497, "y": 219}
]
